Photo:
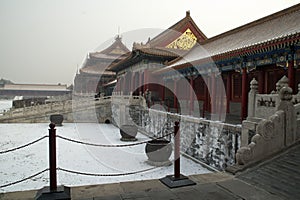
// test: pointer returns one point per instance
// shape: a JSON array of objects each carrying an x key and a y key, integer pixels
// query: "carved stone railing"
[
  {"x": 70, "y": 108},
  {"x": 273, "y": 134},
  {"x": 125, "y": 108},
  {"x": 266, "y": 105},
  {"x": 262, "y": 106},
  {"x": 214, "y": 143},
  {"x": 268, "y": 139}
]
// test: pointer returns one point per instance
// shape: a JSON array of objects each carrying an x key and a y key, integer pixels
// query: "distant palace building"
[
  {"x": 94, "y": 73},
  {"x": 32, "y": 90}
]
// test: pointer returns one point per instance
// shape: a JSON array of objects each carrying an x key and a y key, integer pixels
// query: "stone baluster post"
[
  {"x": 283, "y": 82},
  {"x": 251, "y": 112},
  {"x": 287, "y": 106},
  {"x": 252, "y": 97}
]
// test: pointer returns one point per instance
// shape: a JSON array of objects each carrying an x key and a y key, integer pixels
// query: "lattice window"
[{"x": 236, "y": 86}]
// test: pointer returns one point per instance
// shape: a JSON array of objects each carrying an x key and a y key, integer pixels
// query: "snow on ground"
[
  {"x": 5, "y": 105},
  {"x": 32, "y": 159}
]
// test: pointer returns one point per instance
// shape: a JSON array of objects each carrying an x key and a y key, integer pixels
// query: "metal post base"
[
  {"x": 173, "y": 182},
  {"x": 62, "y": 193}
]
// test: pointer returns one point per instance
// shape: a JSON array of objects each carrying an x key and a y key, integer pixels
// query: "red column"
[
  {"x": 291, "y": 75},
  {"x": 206, "y": 100},
  {"x": 141, "y": 83},
  {"x": 128, "y": 82},
  {"x": 117, "y": 85},
  {"x": 122, "y": 86},
  {"x": 213, "y": 93},
  {"x": 146, "y": 80},
  {"x": 261, "y": 81},
  {"x": 244, "y": 94},
  {"x": 163, "y": 90},
  {"x": 228, "y": 93},
  {"x": 191, "y": 95},
  {"x": 175, "y": 93},
  {"x": 132, "y": 85}
]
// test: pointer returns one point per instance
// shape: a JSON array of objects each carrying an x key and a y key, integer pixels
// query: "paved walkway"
[
  {"x": 280, "y": 176},
  {"x": 212, "y": 186},
  {"x": 276, "y": 179}
]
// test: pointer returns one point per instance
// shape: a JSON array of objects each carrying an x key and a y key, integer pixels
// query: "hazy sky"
[{"x": 43, "y": 41}]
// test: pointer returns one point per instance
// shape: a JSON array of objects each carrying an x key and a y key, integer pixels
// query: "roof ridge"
[
  {"x": 267, "y": 18},
  {"x": 175, "y": 28},
  {"x": 117, "y": 42}
]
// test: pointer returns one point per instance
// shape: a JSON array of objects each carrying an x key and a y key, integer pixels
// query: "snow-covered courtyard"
[
  {"x": 5, "y": 105},
  {"x": 22, "y": 163}
]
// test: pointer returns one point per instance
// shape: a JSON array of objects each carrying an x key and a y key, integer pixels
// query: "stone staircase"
[{"x": 279, "y": 176}]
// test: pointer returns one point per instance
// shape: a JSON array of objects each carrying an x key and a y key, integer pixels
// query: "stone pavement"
[
  {"x": 213, "y": 186},
  {"x": 275, "y": 179},
  {"x": 280, "y": 175}
]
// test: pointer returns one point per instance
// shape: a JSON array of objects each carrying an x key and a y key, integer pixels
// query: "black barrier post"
[
  {"x": 177, "y": 180},
  {"x": 177, "y": 150},
  {"x": 53, "y": 192},
  {"x": 52, "y": 157}
]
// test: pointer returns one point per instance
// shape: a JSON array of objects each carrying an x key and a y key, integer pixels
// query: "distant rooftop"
[{"x": 39, "y": 87}]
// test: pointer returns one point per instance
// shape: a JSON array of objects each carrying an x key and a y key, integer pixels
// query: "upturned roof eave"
[{"x": 250, "y": 49}]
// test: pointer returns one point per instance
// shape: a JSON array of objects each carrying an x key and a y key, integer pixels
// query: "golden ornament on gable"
[{"x": 186, "y": 41}]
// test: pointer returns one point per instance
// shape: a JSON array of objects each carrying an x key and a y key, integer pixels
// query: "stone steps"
[{"x": 280, "y": 176}]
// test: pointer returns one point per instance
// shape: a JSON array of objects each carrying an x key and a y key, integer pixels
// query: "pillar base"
[
  {"x": 62, "y": 193},
  {"x": 173, "y": 182}
]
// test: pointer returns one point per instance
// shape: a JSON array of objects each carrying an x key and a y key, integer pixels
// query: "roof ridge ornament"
[
  {"x": 188, "y": 13},
  {"x": 118, "y": 37},
  {"x": 137, "y": 45}
]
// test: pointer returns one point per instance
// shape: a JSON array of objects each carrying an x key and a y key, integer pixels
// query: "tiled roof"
[
  {"x": 98, "y": 62},
  {"x": 116, "y": 48},
  {"x": 40, "y": 87},
  {"x": 161, "y": 51},
  {"x": 272, "y": 27},
  {"x": 176, "y": 30},
  {"x": 157, "y": 46},
  {"x": 99, "y": 69},
  {"x": 146, "y": 50},
  {"x": 105, "y": 56}
]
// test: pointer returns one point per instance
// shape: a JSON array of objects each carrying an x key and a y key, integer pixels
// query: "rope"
[
  {"x": 108, "y": 145},
  {"x": 25, "y": 145},
  {"x": 25, "y": 179},
  {"x": 91, "y": 174}
]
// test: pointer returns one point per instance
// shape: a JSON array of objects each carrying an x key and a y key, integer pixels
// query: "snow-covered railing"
[
  {"x": 273, "y": 134},
  {"x": 212, "y": 142},
  {"x": 262, "y": 106}
]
